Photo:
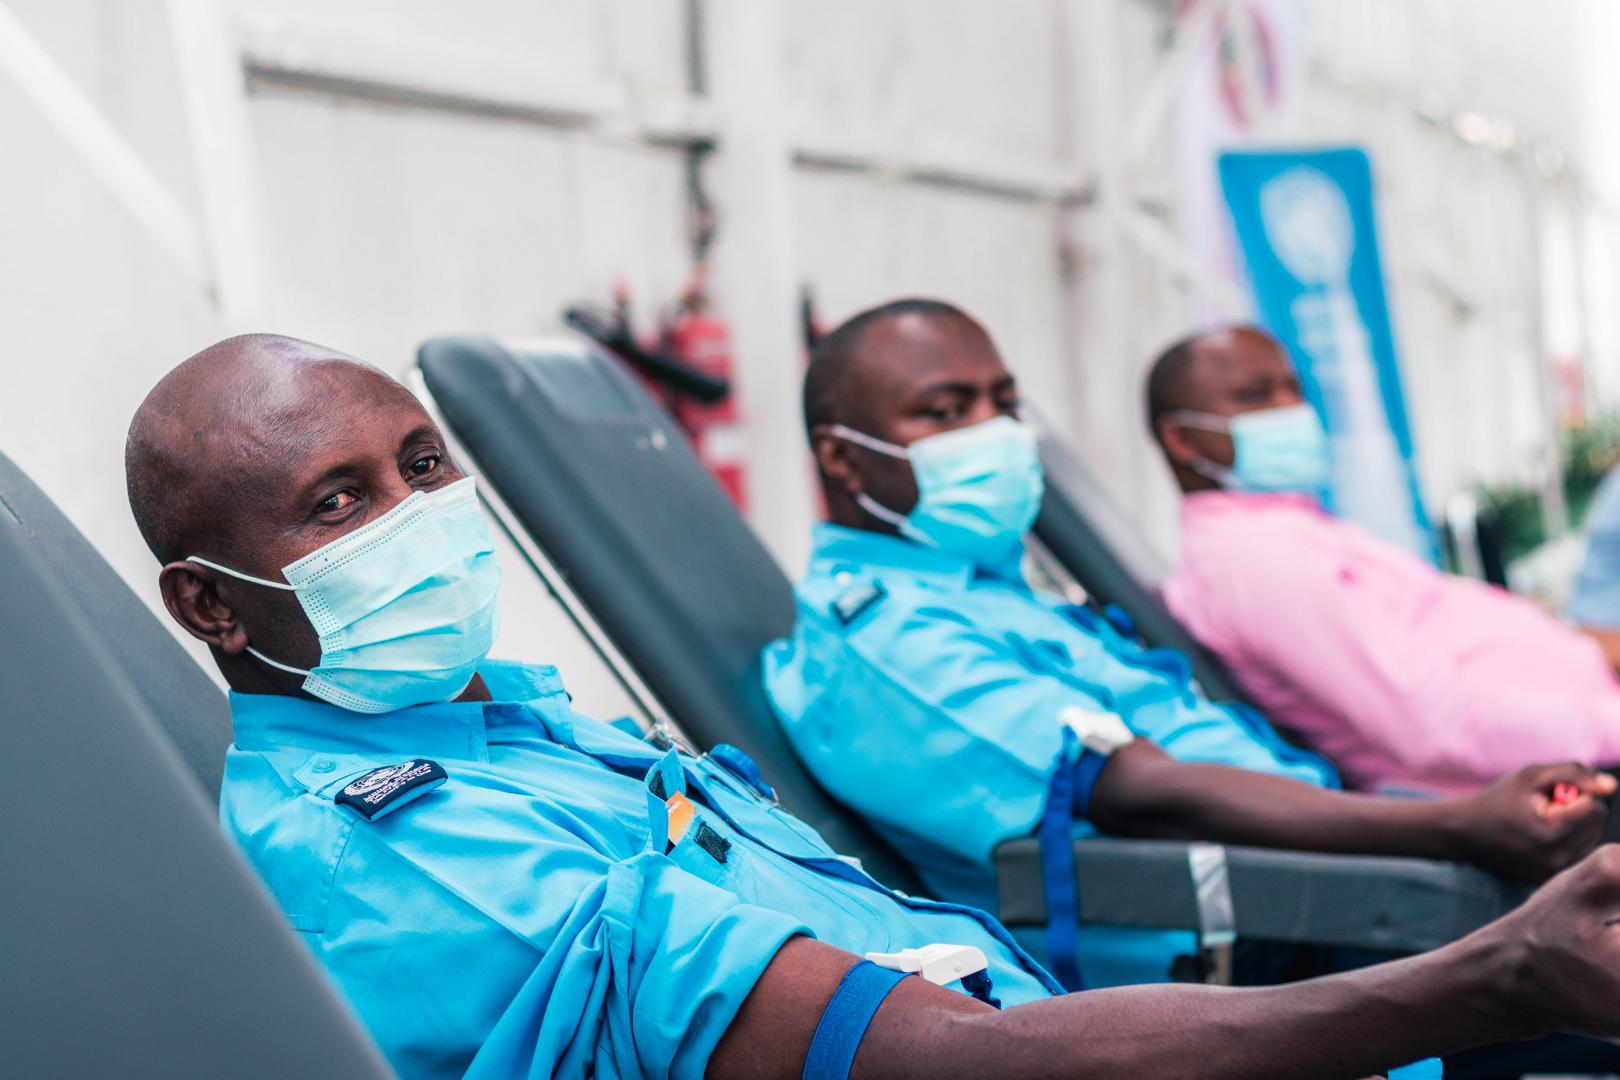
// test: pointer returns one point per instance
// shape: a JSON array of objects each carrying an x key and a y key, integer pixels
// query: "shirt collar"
[
  {"x": 454, "y": 729},
  {"x": 839, "y": 548},
  {"x": 1206, "y": 503}
]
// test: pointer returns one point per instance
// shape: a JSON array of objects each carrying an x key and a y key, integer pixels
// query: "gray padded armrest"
[{"x": 1388, "y": 904}]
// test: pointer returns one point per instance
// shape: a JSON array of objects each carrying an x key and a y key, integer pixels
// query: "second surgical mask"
[{"x": 979, "y": 488}]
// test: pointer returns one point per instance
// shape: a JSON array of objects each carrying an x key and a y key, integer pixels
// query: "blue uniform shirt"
[
  {"x": 1595, "y": 600},
  {"x": 926, "y": 694},
  {"x": 523, "y": 919}
]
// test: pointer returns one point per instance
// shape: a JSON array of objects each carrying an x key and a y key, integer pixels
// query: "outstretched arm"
[
  {"x": 1551, "y": 965},
  {"x": 1513, "y": 827}
]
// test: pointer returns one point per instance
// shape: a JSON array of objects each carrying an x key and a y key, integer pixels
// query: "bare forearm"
[
  {"x": 1548, "y": 965},
  {"x": 1342, "y": 1026},
  {"x": 1184, "y": 801}
]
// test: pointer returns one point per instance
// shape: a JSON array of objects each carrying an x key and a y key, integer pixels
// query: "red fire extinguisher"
[{"x": 703, "y": 340}]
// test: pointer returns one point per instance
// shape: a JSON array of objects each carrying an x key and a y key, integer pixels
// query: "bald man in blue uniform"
[{"x": 505, "y": 888}]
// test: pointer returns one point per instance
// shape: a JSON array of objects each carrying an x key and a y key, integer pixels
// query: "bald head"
[
  {"x": 217, "y": 429},
  {"x": 846, "y": 361},
  {"x": 1221, "y": 373},
  {"x": 1207, "y": 372},
  {"x": 900, "y": 372},
  {"x": 251, "y": 455}
]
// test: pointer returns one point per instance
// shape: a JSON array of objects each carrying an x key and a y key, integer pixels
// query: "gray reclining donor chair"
[
  {"x": 597, "y": 487},
  {"x": 1084, "y": 533},
  {"x": 166, "y": 683},
  {"x": 137, "y": 942}
]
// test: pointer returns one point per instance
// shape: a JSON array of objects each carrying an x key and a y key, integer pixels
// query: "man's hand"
[
  {"x": 1563, "y": 951},
  {"x": 1517, "y": 829}
]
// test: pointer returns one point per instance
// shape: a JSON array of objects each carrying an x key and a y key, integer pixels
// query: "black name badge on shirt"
[{"x": 381, "y": 791}]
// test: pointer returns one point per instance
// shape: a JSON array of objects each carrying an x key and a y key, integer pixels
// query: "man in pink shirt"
[{"x": 1408, "y": 678}]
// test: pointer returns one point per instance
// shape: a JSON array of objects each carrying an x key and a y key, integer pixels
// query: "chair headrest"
[
  {"x": 1111, "y": 559},
  {"x": 606, "y": 485},
  {"x": 130, "y": 640}
]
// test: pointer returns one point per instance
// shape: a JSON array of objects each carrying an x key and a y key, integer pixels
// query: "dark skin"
[
  {"x": 918, "y": 375},
  {"x": 1233, "y": 372},
  {"x": 1549, "y": 966},
  {"x": 326, "y": 445},
  {"x": 937, "y": 374},
  {"x": 330, "y": 444}
]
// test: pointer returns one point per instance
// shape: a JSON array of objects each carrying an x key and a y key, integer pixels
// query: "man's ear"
[
  {"x": 833, "y": 458},
  {"x": 1173, "y": 438},
  {"x": 194, "y": 604}
]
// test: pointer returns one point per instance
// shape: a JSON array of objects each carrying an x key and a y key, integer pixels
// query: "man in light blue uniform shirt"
[
  {"x": 927, "y": 686},
  {"x": 1594, "y": 602},
  {"x": 641, "y": 958},
  {"x": 505, "y": 888},
  {"x": 950, "y": 657}
]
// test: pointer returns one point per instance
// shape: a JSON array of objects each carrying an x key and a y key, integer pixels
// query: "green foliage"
[{"x": 1591, "y": 449}]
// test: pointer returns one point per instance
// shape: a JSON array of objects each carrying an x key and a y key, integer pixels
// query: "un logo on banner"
[{"x": 1309, "y": 226}]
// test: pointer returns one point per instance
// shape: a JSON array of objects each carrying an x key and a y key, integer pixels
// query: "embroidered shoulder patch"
[
  {"x": 381, "y": 791},
  {"x": 857, "y": 600}
]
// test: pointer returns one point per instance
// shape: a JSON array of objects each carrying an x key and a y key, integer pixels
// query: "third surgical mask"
[
  {"x": 978, "y": 488},
  {"x": 1281, "y": 449}
]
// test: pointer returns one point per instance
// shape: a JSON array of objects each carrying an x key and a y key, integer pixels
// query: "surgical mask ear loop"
[
  {"x": 1218, "y": 473},
  {"x": 1219, "y": 425},
  {"x": 244, "y": 577},
  {"x": 878, "y": 510},
  {"x": 860, "y": 438},
  {"x": 278, "y": 664},
  {"x": 256, "y": 581},
  {"x": 888, "y": 449}
]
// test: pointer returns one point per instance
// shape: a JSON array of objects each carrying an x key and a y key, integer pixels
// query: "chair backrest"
[
  {"x": 137, "y": 942},
  {"x": 602, "y": 481},
  {"x": 1111, "y": 559},
  {"x": 164, "y": 680}
]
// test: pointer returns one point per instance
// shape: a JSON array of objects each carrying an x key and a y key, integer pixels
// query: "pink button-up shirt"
[{"x": 1406, "y": 677}]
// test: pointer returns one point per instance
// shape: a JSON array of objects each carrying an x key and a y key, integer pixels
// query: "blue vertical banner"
[{"x": 1307, "y": 230}]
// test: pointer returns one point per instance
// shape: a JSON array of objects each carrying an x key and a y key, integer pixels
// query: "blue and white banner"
[{"x": 1306, "y": 229}]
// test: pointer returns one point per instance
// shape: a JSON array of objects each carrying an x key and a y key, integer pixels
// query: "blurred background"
[{"x": 722, "y": 175}]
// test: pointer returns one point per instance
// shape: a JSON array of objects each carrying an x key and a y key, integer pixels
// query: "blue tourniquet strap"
[
  {"x": 1055, "y": 835},
  {"x": 1427, "y": 1069},
  {"x": 1086, "y": 771},
  {"x": 844, "y": 1021},
  {"x": 978, "y": 984}
]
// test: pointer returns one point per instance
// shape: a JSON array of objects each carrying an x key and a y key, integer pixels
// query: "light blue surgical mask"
[
  {"x": 406, "y": 606},
  {"x": 978, "y": 488},
  {"x": 1281, "y": 449}
]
